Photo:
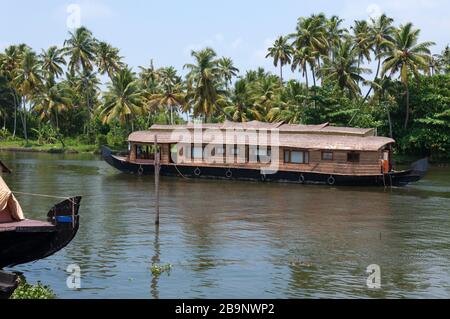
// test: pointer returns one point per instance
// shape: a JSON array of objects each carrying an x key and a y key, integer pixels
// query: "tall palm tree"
[
  {"x": 311, "y": 33},
  {"x": 107, "y": 59},
  {"x": 123, "y": 99},
  {"x": 203, "y": 81},
  {"x": 10, "y": 64},
  {"x": 382, "y": 32},
  {"x": 170, "y": 94},
  {"x": 227, "y": 70},
  {"x": 51, "y": 101},
  {"x": 301, "y": 59},
  {"x": 407, "y": 56},
  {"x": 281, "y": 52},
  {"x": 52, "y": 61},
  {"x": 80, "y": 48},
  {"x": 362, "y": 40},
  {"x": 28, "y": 81},
  {"x": 344, "y": 69},
  {"x": 334, "y": 33}
]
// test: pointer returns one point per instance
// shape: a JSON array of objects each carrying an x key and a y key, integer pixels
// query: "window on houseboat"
[
  {"x": 263, "y": 155},
  {"x": 174, "y": 153},
  {"x": 327, "y": 156},
  {"x": 296, "y": 157},
  {"x": 234, "y": 150},
  {"x": 219, "y": 150},
  {"x": 353, "y": 157},
  {"x": 197, "y": 152}
]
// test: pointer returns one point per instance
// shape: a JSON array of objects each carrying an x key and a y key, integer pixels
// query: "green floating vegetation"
[
  {"x": 28, "y": 291},
  {"x": 158, "y": 269}
]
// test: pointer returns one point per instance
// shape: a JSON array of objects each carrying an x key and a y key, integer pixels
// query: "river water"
[{"x": 229, "y": 239}]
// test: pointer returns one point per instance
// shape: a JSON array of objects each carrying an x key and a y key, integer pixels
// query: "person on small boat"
[{"x": 10, "y": 210}]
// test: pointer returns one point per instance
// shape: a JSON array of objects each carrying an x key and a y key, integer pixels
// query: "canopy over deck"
[{"x": 320, "y": 136}]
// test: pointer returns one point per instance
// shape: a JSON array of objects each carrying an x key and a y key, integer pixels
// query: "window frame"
[
  {"x": 328, "y": 159},
  {"x": 357, "y": 156},
  {"x": 290, "y": 150}
]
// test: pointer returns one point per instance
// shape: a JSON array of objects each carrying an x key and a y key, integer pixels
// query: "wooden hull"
[
  {"x": 8, "y": 283},
  {"x": 245, "y": 174},
  {"x": 28, "y": 243}
]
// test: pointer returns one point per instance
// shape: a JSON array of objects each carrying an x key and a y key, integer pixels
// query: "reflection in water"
[
  {"x": 155, "y": 260},
  {"x": 231, "y": 239}
]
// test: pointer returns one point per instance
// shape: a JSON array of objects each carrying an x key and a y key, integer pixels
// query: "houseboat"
[{"x": 268, "y": 152}]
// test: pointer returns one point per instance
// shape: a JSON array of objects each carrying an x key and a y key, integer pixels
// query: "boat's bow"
[{"x": 8, "y": 283}]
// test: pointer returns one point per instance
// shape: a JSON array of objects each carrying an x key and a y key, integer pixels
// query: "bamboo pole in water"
[{"x": 157, "y": 165}]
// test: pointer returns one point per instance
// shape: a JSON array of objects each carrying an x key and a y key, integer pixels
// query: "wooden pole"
[{"x": 157, "y": 168}]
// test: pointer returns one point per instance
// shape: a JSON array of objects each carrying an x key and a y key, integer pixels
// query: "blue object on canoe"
[{"x": 64, "y": 219}]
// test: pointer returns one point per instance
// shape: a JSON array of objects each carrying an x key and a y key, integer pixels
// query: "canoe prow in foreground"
[
  {"x": 8, "y": 283},
  {"x": 29, "y": 240}
]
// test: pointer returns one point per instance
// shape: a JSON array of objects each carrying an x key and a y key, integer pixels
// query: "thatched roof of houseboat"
[{"x": 322, "y": 136}]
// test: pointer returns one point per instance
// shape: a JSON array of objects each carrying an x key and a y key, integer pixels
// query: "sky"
[{"x": 166, "y": 31}]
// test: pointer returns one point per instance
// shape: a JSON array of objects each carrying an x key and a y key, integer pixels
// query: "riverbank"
[{"x": 70, "y": 147}]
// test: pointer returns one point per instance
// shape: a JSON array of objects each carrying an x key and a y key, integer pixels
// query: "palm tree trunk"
[
  {"x": 313, "y": 75},
  {"x": 407, "y": 106},
  {"x": 369, "y": 91},
  {"x": 306, "y": 77},
  {"x": 281, "y": 73},
  {"x": 171, "y": 114},
  {"x": 24, "y": 119}
]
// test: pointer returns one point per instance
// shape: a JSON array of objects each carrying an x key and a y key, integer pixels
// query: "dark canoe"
[
  {"x": 30, "y": 240},
  {"x": 8, "y": 283},
  {"x": 396, "y": 178}
]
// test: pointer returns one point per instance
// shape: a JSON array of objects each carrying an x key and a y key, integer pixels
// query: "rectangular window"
[
  {"x": 296, "y": 157},
  {"x": 353, "y": 157},
  {"x": 327, "y": 156},
  {"x": 234, "y": 151},
  {"x": 219, "y": 150},
  {"x": 197, "y": 152}
]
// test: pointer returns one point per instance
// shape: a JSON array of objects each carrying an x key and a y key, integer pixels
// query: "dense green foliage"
[
  {"x": 55, "y": 97},
  {"x": 27, "y": 291}
]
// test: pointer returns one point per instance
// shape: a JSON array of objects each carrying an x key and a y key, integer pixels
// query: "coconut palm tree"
[
  {"x": 311, "y": 33},
  {"x": 107, "y": 59},
  {"x": 28, "y": 81},
  {"x": 301, "y": 59},
  {"x": 334, "y": 33},
  {"x": 264, "y": 95},
  {"x": 170, "y": 93},
  {"x": 281, "y": 52},
  {"x": 442, "y": 61},
  {"x": 52, "y": 61},
  {"x": 81, "y": 49},
  {"x": 203, "y": 81},
  {"x": 51, "y": 101},
  {"x": 227, "y": 70},
  {"x": 123, "y": 99},
  {"x": 407, "y": 56},
  {"x": 344, "y": 69},
  {"x": 10, "y": 62},
  {"x": 362, "y": 40}
]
